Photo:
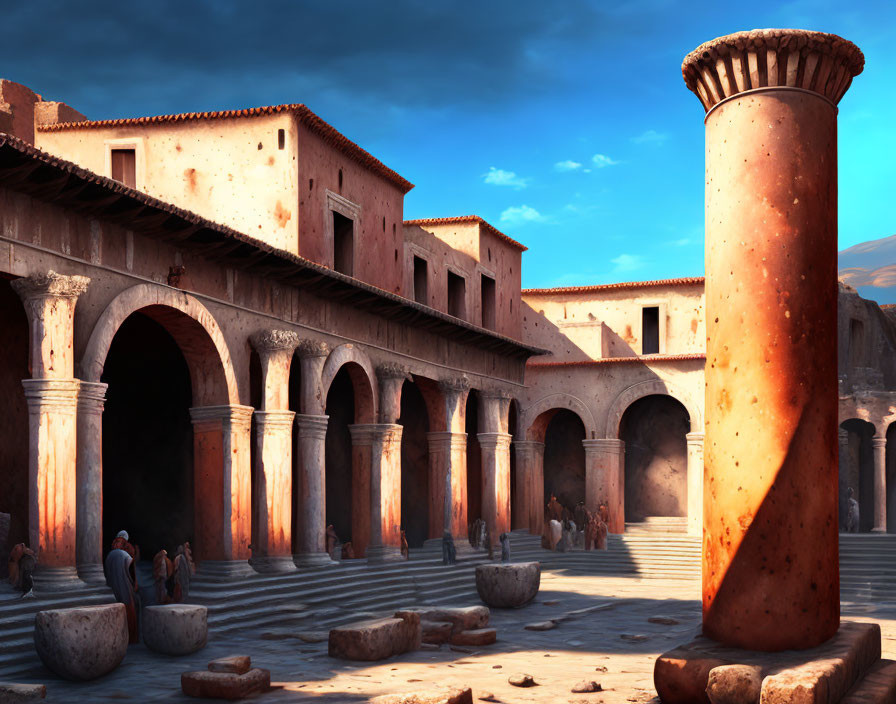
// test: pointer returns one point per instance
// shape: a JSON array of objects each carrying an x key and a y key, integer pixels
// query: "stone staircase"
[
  {"x": 658, "y": 524},
  {"x": 868, "y": 567}
]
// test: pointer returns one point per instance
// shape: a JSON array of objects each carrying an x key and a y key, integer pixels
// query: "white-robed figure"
[{"x": 121, "y": 576}]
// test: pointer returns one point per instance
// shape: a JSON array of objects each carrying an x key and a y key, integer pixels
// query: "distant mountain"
[{"x": 870, "y": 267}]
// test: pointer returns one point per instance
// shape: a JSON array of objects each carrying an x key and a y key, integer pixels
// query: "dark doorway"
[
  {"x": 564, "y": 459},
  {"x": 414, "y": 465},
  {"x": 857, "y": 471},
  {"x": 341, "y": 410},
  {"x": 474, "y": 459},
  {"x": 650, "y": 330}
]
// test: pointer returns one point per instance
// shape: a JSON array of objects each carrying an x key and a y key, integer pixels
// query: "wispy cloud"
[
  {"x": 651, "y": 137},
  {"x": 627, "y": 262},
  {"x": 684, "y": 241},
  {"x": 518, "y": 215},
  {"x": 568, "y": 165},
  {"x": 602, "y": 160},
  {"x": 500, "y": 177}
]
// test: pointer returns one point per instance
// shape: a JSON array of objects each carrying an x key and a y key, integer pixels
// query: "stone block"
[
  {"x": 225, "y": 685},
  {"x": 508, "y": 586},
  {"x": 84, "y": 642},
  {"x": 175, "y": 629},
  {"x": 878, "y": 686},
  {"x": 453, "y": 696},
  {"x": 464, "y": 618},
  {"x": 681, "y": 675},
  {"x": 15, "y": 693},
  {"x": 237, "y": 664},
  {"x": 376, "y": 639},
  {"x": 734, "y": 684},
  {"x": 436, "y": 632},
  {"x": 481, "y": 636}
]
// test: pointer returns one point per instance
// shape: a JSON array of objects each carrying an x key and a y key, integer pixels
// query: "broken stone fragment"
[
  {"x": 586, "y": 686},
  {"x": 522, "y": 680},
  {"x": 84, "y": 642},
  {"x": 733, "y": 684},
  {"x": 175, "y": 629},
  {"x": 541, "y": 626},
  {"x": 481, "y": 636},
  {"x": 453, "y": 696},
  {"x": 13, "y": 693},
  {"x": 508, "y": 586},
  {"x": 237, "y": 664},
  {"x": 376, "y": 639},
  {"x": 466, "y": 618},
  {"x": 224, "y": 685},
  {"x": 487, "y": 697},
  {"x": 436, "y": 632}
]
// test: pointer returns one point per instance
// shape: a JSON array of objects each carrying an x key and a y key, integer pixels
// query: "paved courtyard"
[{"x": 612, "y": 642}]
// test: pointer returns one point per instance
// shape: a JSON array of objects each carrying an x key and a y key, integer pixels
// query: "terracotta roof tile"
[
  {"x": 302, "y": 113},
  {"x": 643, "y": 359},
  {"x": 470, "y": 218},
  {"x": 685, "y": 281}
]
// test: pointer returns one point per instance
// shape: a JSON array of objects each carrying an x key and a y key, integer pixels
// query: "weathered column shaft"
[
  {"x": 495, "y": 483},
  {"x": 604, "y": 481},
  {"x": 770, "y": 556},
  {"x": 527, "y": 454},
  {"x": 383, "y": 494},
  {"x": 89, "y": 492},
  {"x": 447, "y": 484},
  {"x": 311, "y": 542},
  {"x": 695, "y": 483},
  {"x": 879, "y": 444},
  {"x": 363, "y": 451}
]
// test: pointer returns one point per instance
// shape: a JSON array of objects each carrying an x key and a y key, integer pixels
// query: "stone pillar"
[
  {"x": 695, "y": 483},
  {"x": 52, "y": 397},
  {"x": 363, "y": 452},
  {"x": 770, "y": 549},
  {"x": 843, "y": 464},
  {"x": 384, "y": 507},
  {"x": 879, "y": 443},
  {"x": 272, "y": 546},
  {"x": 519, "y": 510},
  {"x": 449, "y": 472},
  {"x": 311, "y": 427},
  {"x": 604, "y": 479},
  {"x": 494, "y": 444},
  {"x": 530, "y": 486},
  {"x": 89, "y": 492},
  {"x": 222, "y": 487}
]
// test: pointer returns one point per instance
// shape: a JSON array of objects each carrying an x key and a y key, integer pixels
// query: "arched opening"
[
  {"x": 14, "y": 427},
  {"x": 414, "y": 419},
  {"x": 654, "y": 430},
  {"x": 564, "y": 459},
  {"x": 857, "y": 472},
  {"x": 891, "y": 479},
  {"x": 513, "y": 420},
  {"x": 295, "y": 405},
  {"x": 148, "y": 482},
  {"x": 474, "y": 459},
  {"x": 256, "y": 392}
]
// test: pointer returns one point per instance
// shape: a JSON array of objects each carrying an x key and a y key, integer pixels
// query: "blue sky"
[{"x": 567, "y": 126}]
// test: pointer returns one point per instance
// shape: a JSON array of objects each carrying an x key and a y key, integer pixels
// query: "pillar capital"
[
  {"x": 232, "y": 413},
  {"x": 311, "y": 425},
  {"x": 269, "y": 341},
  {"x": 879, "y": 441},
  {"x": 494, "y": 440},
  {"x": 370, "y": 433},
  {"x": 91, "y": 396},
  {"x": 694, "y": 438},
  {"x": 50, "y": 285},
  {"x": 446, "y": 439},
  {"x": 52, "y": 394},
  {"x": 772, "y": 58},
  {"x": 391, "y": 378},
  {"x": 528, "y": 445},
  {"x": 309, "y": 348},
  {"x": 275, "y": 420},
  {"x": 392, "y": 370},
  {"x": 611, "y": 445}
]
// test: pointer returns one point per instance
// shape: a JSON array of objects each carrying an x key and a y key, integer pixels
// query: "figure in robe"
[
  {"x": 121, "y": 576},
  {"x": 580, "y": 515},
  {"x": 505, "y": 547},
  {"x": 852, "y": 512},
  {"x": 405, "y": 551},
  {"x": 163, "y": 576},
  {"x": 556, "y": 534},
  {"x": 348, "y": 551},
  {"x": 122, "y": 542},
  {"x": 449, "y": 552},
  {"x": 184, "y": 569},
  {"x": 555, "y": 509},
  {"x": 332, "y": 541},
  {"x": 591, "y": 530},
  {"x": 21, "y": 566},
  {"x": 604, "y": 512}
]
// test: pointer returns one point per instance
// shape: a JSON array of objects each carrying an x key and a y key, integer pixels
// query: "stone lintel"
[{"x": 822, "y": 63}]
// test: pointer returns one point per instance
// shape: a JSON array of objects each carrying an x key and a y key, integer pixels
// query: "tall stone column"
[
  {"x": 879, "y": 445},
  {"x": 272, "y": 546},
  {"x": 89, "y": 492},
  {"x": 222, "y": 487},
  {"x": 450, "y": 471},
  {"x": 843, "y": 442},
  {"x": 519, "y": 510},
  {"x": 52, "y": 397},
  {"x": 604, "y": 469},
  {"x": 311, "y": 433},
  {"x": 530, "y": 485},
  {"x": 363, "y": 451},
  {"x": 695, "y": 483},
  {"x": 770, "y": 551},
  {"x": 494, "y": 444},
  {"x": 385, "y": 493}
]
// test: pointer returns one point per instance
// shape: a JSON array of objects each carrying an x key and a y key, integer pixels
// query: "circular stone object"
[
  {"x": 82, "y": 643},
  {"x": 175, "y": 629},
  {"x": 508, "y": 586}
]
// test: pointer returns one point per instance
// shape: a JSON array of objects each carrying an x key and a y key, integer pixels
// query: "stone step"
[{"x": 877, "y": 686}]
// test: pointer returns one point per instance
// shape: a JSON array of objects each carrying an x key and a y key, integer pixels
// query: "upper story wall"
[
  {"x": 600, "y": 322},
  {"x": 866, "y": 344},
  {"x": 471, "y": 250},
  {"x": 329, "y": 180}
]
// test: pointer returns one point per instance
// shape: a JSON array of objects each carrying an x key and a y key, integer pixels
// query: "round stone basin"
[
  {"x": 175, "y": 629},
  {"x": 508, "y": 586},
  {"x": 84, "y": 642}
]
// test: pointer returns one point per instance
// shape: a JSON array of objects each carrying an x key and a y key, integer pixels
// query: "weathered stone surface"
[
  {"x": 313, "y": 636},
  {"x": 508, "y": 585},
  {"x": 14, "y": 693},
  {"x": 681, "y": 675},
  {"x": 376, "y": 639},
  {"x": 734, "y": 684},
  {"x": 522, "y": 680},
  {"x": 82, "y": 643},
  {"x": 465, "y": 618},
  {"x": 541, "y": 626},
  {"x": 436, "y": 632},
  {"x": 586, "y": 686},
  {"x": 175, "y": 629},
  {"x": 481, "y": 636},
  {"x": 224, "y": 685},
  {"x": 663, "y": 620},
  {"x": 453, "y": 696},
  {"x": 634, "y": 637},
  {"x": 878, "y": 686},
  {"x": 237, "y": 664}
]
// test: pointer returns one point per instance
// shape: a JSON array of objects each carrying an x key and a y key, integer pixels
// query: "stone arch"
[
  {"x": 192, "y": 326},
  {"x": 535, "y": 418},
  {"x": 363, "y": 377},
  {"x": 651, "y": 387}
]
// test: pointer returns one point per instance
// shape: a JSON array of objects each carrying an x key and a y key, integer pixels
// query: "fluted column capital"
[
  {"x": 494, "y": 441},
  {"x": 311, "y": 426},
  {"x": 50, "y": 285},
  {"x": 312, "y": 348},
  {"x": 609, "y": 445},
  {"x": 764, "y": 58},
  {"x": 879, "y": 441},
  {"x": 269, "y": 341}
]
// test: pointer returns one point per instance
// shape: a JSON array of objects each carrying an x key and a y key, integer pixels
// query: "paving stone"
[
  {"x": 224, "y": 685},
  {"x": 13, "y": 693},
  {"x": 634, "y": 637},
  {"x": 237, "y": 664},
  {"x": 454, "y": 696}
]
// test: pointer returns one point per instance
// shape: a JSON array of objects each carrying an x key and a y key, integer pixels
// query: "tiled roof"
[
  {"x": 685, "y": 281},
  {"x": 303, "y": 114},
  {"x": 644, "y": 358},
  {"x": 469, "y": 218}
]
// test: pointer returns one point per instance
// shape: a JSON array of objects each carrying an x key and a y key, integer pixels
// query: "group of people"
[
  {"x": 565, "y": 529},
  {"x": 22, "y": 561},
  {"x": 171, "y": 577}
]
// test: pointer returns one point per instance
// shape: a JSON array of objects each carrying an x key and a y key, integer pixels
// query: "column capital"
[
  {"x": 496, "y": 393},
  {"x": 312, "y": 348},
  {"x": 311, "y": 425},
  {"x": 694, "y": 438},
  {"x": 446, "y": 439},
  {"x": 392, "y": 370},
  {"x": 281, "y": 420},
  {"x": 455, "y": 384},
  {"x": 370, "y": 433},
  {"x": 50, "y": 285},
  {"x": 52, "y": 394},
  {"x": 772, "y": 58},
  {"x": 494, "y": 440},
  {"x": 91, "y": 396},
  {"x": 268, "y": 341},
  {"x": 231, "y": 413},
  {"x": 879, "y": 441},
  {"x": 528, "y": 445},
  {"x": 611, "y": 445}
]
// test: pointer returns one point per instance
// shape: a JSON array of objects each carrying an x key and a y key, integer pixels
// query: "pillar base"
[
  {"x": 271, "y": 564},
  {"x": 684, "y": 674},
  {"x": 878, "y": 530},
  {"x": 224, "y": 569},
  {"x": 377, "y": 554},
  {"x": 56, "y": 579},
  {"x": 91, "y": 573},
  {"x": 313, "y": 559}
]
